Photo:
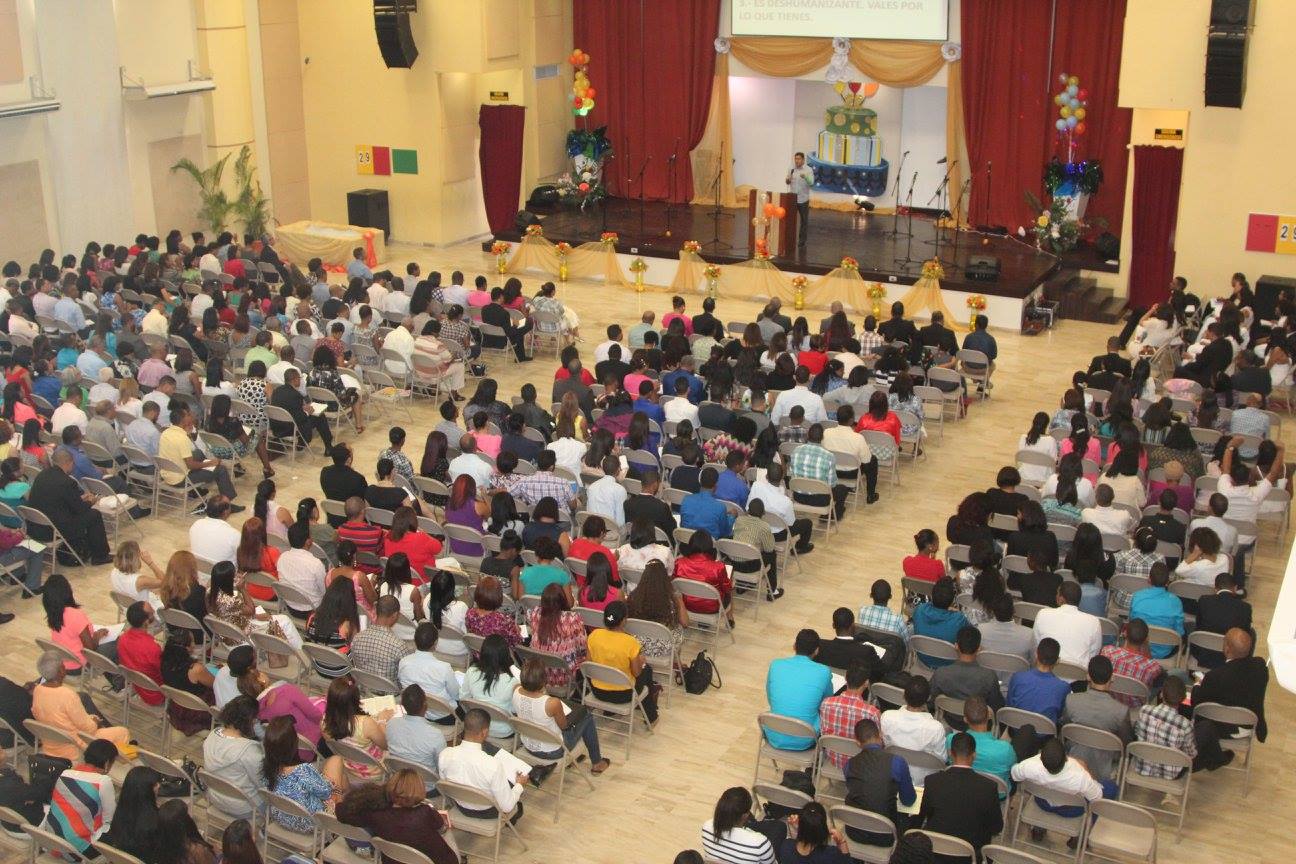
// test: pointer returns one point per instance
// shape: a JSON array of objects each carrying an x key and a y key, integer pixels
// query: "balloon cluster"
[
  {"x": 855, "y": 99},
  {"x": 582, "y": 93},
  {"x": 1072, "y": 101}
]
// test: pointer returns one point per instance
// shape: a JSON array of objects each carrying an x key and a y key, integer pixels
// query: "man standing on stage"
[{"x": 801, "y": 178}]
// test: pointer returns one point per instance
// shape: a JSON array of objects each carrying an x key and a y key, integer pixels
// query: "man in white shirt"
[
  {"x": 401, "y": 340},
  {"x": 768, "y": 489},
  {"x": 212, "y": 538},
  {"x": 568, "y": 453},
  {"x": 299, "y": 568},
  {"x": 275, "y": 374},
  {"x": 1106, "y": 518},
  {"x": 378, "y": 291},
  {"x": 1079, "y": 634},
  {"x": 468, "y": 764},
  {"x": 605, "y": 496},
  {"x": 69, "y": 412},
  {"x": 1228, "y": 535},
  {"x": 396, "y": 303},
  {"x": 799, "y": 395},
  {"x": 680, "y": 408},
  {"x": 1057, "y": 772},
  {"x": 209, "y": 263},
  {"x": 913, "y": 727},
  {"x": 225, "y": 686},
  {"x": 843, "y": 438},
  {"x": 468, "y": 462},
  {"x": 614, "y": 338},
  {"x": 201, "y": 302},
  {"x": 161, "y": 397}
]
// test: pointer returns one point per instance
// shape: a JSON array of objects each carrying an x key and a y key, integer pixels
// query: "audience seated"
[{"x": 912, "y": 726}]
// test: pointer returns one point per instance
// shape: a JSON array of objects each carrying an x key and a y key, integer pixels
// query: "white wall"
[{"x": 763, "y": 110}]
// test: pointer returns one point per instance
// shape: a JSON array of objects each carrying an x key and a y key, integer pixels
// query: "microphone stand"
[
  {"x": 908, "y": 258},
  {"x": 985, "y": 207},
  {"x": 958, "y": 232},
  {"x": 942, "y": 192},
  {"x": 670, "y": 186},
  {"x": 639, "y": 180},
  {"x": 895, "y": 214},
  {"x": 603, "y": 205},
  {"x": 716, "y": 214}
]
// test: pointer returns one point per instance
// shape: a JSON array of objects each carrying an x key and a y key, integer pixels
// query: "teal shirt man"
[
  {"x": 993, "y": 755},
  {"x": 795, "y": 686},
  {"x": 1158, "y": 608}
]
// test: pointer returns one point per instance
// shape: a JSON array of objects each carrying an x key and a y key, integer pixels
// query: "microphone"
[
  {"x": 904, "y": 154},
  {"x": 941, "y": 161}
]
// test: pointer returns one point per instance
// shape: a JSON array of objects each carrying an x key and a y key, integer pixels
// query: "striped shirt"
[
  {"x": 81, "y": 804},
  {"x": 737, "y": 846}
]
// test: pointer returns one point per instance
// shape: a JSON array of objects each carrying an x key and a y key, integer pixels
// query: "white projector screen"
[{"x": 854, "y": 19}]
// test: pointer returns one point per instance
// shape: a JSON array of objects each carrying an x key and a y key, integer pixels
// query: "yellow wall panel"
[{"x": 502, "y": 29}]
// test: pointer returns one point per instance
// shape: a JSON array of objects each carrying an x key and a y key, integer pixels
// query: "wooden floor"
[{"x": 652, "y": 806}]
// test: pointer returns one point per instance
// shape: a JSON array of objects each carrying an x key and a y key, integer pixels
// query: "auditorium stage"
[{"x": 832, "y": 235}]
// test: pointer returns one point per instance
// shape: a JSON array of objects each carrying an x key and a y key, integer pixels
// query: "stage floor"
[{"x": 832, "y": 235}]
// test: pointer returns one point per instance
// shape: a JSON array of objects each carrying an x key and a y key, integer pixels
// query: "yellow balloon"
[
  {"x": 1065, "y": 111},
  {"x": 587, "y": 103},
  {"x": 1079, "y": 113},
  {"x": 1073, "y": 81},
  {"x": 839, "y": 87}
]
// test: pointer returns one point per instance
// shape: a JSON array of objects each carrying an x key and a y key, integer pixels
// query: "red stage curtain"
[
  {"x": 501, "y": 162},
  {"x": 1087, "y": 42},
  {"x": 1157, "y": 172},
  {"x": 1005, "y": 104},
  {"x": 651, "y": 64}
]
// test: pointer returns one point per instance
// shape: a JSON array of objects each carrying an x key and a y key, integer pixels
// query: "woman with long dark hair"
[
  {"x": 484, "y": 399},
  {"x": 181, "y": 671},
  {"x": 398, "y": 811},
  {"x": 598, "y": 590},
  {"x": 815, "y": 841},
  {"x": 1081, "y": 441},
  {"x": 1032, "y": 535},
  {"x": 335, "y": 623},
  {"x": 287, "y": 775},
  {"x": 465, "y": 509},
  {"x": 558, "y": 630},
  {"x": 444, "y": 609},
  {"x": 1037, "y": 440},
  {"x": 730, "y": 837},
  {"x": 221, "y": 422},
  {"x": 239, "y": 844},
  {"x": 345, "y": 720},
  {"x": 1178, "y": 446},
  {"x": 397, "y": 581},
  {"x": 655, "y": 599},
  {"x": 180, "y": 841},
  {"x": 490, "y": 679},
  {"x": 135, "y": 829},
  {"x": 324, "y": 373},
  {"x": 1087, "y": 550},
  {"x": 971, "y": 522}
]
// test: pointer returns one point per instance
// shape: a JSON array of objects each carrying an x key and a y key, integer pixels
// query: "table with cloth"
[{"x": 332, "y": 243}]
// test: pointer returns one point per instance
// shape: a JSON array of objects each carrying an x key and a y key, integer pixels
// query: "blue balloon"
[
  {"x": 1072, "y": 90},
  {"x": 1075, "y": 103},
  {"x": 1071, "y": 122},
  {"x": 1061, "y": 125}
]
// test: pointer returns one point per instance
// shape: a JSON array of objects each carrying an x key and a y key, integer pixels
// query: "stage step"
[{"x": 1080, "y": 298}]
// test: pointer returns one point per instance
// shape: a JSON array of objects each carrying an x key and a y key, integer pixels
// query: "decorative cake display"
[{"x": 849, "y": 156}]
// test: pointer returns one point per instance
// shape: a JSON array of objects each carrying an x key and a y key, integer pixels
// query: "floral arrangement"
[
  {"x": 563, "y": 248},
  {"x": 692, "y": 246},
  {"x": 609, "y": 238},
  {"x": 977, "y": 302},
  {"x": 849, "y": 263},
  {"x": 762, "y": 249},
  {"x": 933, "y": 270},
  {"x": 638, "y": 265},
  {"x": 800, "y": 281},
  {"x": 581, "y": 187},
  {"x": 875, "y": 291},
  {"x": 711, "y": 271},
  {"x": 535, "y": 231},
  {"x": 1055, "y": 229},
  {"x": 499, "y": 247}
]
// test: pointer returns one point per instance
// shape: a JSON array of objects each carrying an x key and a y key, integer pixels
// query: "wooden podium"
[{"x": 783, "y": 232}]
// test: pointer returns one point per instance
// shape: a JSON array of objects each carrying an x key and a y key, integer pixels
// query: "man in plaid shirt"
[
  {"x": 377, "y": 649},
  {"x": 796, "y": 427},
  {"x": 813, "y": 461},
  {"x": 1134, "y": 659},
  {"x": 870, "y": 340},
  {"x": 879, "y": 617},
  {"x": 1161, "y": 723},
  {"x": 1135, "y": 562},
  {"x": 544, "y": 483},
  {"x": 839, "y": 714}
]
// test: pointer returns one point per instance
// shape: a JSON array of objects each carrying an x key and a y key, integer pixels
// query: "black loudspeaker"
[
  {"x": 525, "y": 218},
  {"x": 982, "y": 268},
  {"x": 1107, "y": 245},
  {"x": 545, "y": 195},
  {"x": 368, "y": 208},
  {"x": 395, "y": 40},
  {"x": 1226, "y": 54},
  {"x": 1231, "y": 14},
  {"x": 1267, "y": 289}
]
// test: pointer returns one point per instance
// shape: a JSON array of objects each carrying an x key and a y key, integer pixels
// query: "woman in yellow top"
[{"x": 612, "y": 646}]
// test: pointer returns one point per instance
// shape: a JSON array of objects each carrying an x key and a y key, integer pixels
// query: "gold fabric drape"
[
  {"x": 534, "y": 253},
  {"x": 688, "y": 275},
  {"x": 926, "y": 295},
  {"x": 593, "y": 260},
  {"x": 892, "y": 63},
  {"x": 301, "y": 241}
]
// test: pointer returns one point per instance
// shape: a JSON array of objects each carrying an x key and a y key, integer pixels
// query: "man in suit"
[
  {"x": 302, "y": 410},
  {"x": 1213, "y": 359},
  {"x": 1241, "y": 682},
  {"x": 843, "y": 649},
  {"x": 69, "y": 507},
  {"x": 1112, "y": 361},
  {"x": 960, "y": 802},
  {"x": 898, "y": 329},
  {"x": 573, "y": 384},
  {"x": 1219, "y": 613},
  {"x": 832, "y": 310},
  {"x": 937, "y": 335},
  {"x": 646, "y": 506},
  {"x": 339, "y": 481},
  {"x": 496, "y": 315}
]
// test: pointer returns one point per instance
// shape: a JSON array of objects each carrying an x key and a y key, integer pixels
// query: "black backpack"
[{"x": 701, "y": 674}]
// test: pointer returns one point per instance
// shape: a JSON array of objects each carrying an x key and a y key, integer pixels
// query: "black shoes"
[
  {"x": 6, "y": 617},
  {"x": 805, "y": 550}
]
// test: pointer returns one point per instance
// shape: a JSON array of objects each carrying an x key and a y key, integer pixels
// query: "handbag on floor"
[{"x": 701, "y": 674}]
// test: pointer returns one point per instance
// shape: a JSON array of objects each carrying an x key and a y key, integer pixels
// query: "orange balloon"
[
  {"x": 589, "y": 94},
  {"x": 781, "y": 212},
  {"x": 870, "y": 90},
  {"x": 770, "y": 209}
]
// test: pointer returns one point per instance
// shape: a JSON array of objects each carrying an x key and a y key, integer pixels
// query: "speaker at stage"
[
  {"x": 544, "y": 195},
  {"x": 392, "y": 26},
  {"x": 1226, "y": 52},
  {"x": 982, "y": 268},
  {"x": 524, "y": 220},
  {"x": 368, "y": 208}
]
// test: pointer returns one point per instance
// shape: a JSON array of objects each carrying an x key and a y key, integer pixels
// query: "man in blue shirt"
[
  {"x": 648, "y": 404},
  {"x": 356, "y": 267},
  {"x": 703, "y": 510},
  {"x": 81, "y": 465},
  {"x": 937, "y": 620},
  {"x": 731, "y": 485},
  {"x": 981, "y": 340},
  {"x": 795, "y": 686},
  {"x": 1158, "y": 607},
  {"x": 993, "y": 755},
  {"x": 1038, "y": 689},
  {"x": 412, "y": 736},
  {"x": 69, "y": 311},
  {"x": 432, "y": 675},
  {"x": 684, "y": 369}
]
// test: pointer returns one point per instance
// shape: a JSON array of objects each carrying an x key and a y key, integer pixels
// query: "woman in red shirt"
[
  {"x": 880, "y": 417},
  {"x": 405, "y": 536},
  {"x": 698, "y": 562},
  {"x": 591, "y": 541},
  {"x": 254, "y": 555},
  {"x": 925, "y": 565},
  {"x": 599, "y": 591},
  {"x": 814, "y": 358}
]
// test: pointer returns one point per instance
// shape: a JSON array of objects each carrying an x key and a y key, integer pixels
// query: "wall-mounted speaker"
[
  {"x": 1226, "y": 55},
  {"x": 395, "y": 39},
  {"x": 1232, "y": 14}
]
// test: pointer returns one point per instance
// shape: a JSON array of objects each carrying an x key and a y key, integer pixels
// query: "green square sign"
[{"x": 404, "y": 161}]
